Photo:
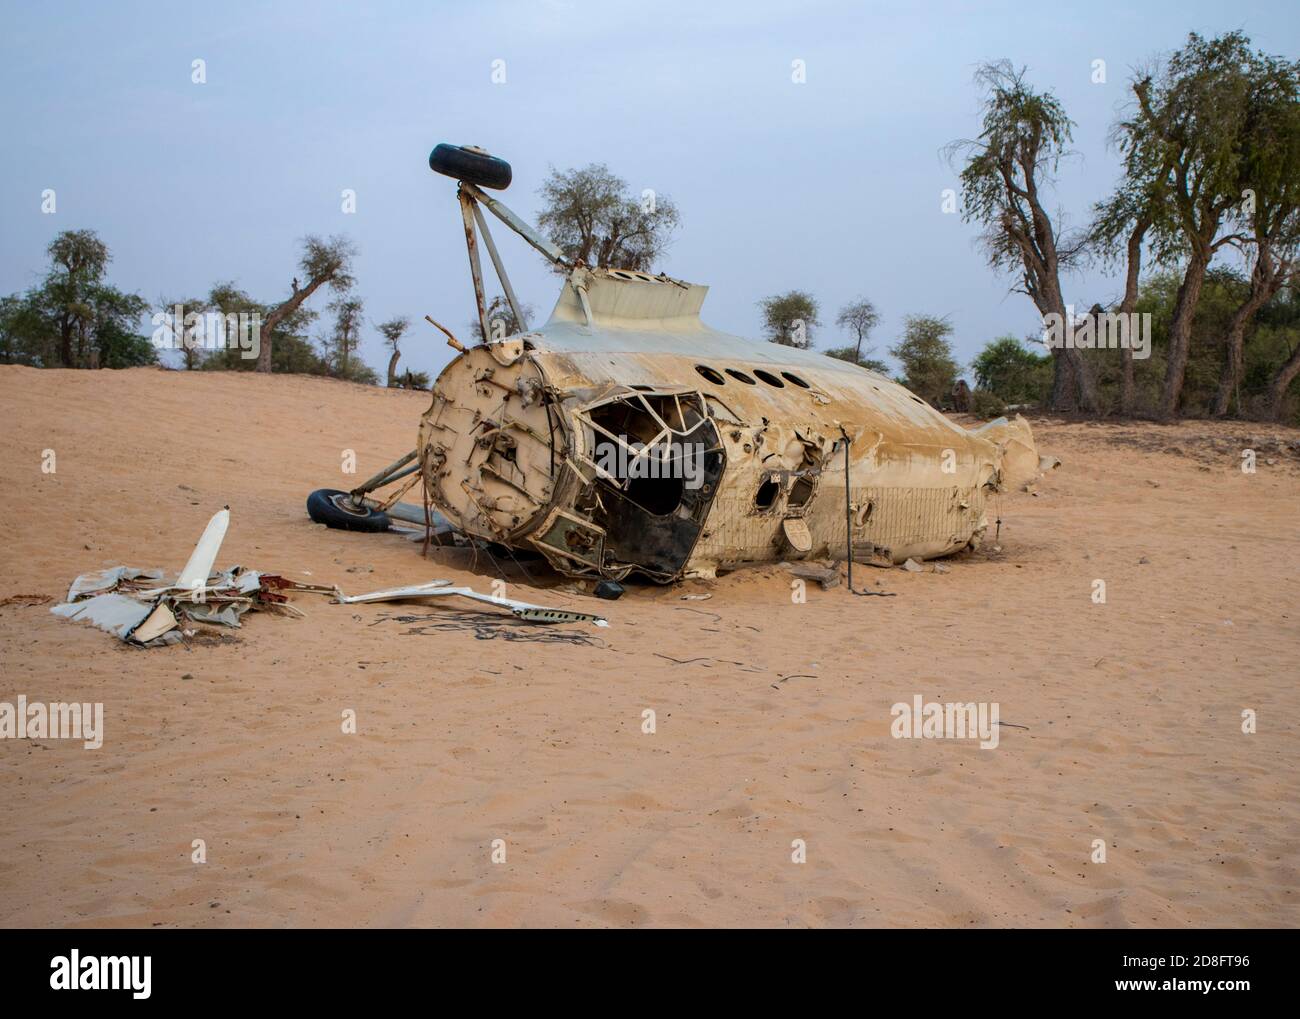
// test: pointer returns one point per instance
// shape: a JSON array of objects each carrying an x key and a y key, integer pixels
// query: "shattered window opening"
[
  {"x": 769, "y": 378},
  {"x": 741, "y": 377}
]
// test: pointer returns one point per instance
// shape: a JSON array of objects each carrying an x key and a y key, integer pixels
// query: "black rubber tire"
[
  {"x": 473, "y": 167},
  {"x": 323, "y": 507}
]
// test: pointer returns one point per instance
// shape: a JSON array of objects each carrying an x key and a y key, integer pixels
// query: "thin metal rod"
[
  {"x": 848, "y": 510},
  {"x": 515, "y": 306},
  {"x": 517, "y": 225},
  {"x": 383, "y": 476},
  {"x": 475, "y": 267}
]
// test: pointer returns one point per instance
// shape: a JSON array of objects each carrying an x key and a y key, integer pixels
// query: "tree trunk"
[
  {"x": 1088, "y": 401},
  {"x": 1265, "y": 281},
  {"x": 392, "y": 369},
  {"x": 1231, "y": 377},
  {"x": 1066, "y": 366},
  {"x": 277, "y": 316},
  {"x": 1180, "y": 333},
  {"x": 1065, "y": 382},
  {"x": 65, "y": 343},
  {"x": 1127, "y": 387},
  {"x": 1281, "y": 382}
]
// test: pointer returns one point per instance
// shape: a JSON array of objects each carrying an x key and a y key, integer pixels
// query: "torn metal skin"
[{"x": 507, "y": 446}]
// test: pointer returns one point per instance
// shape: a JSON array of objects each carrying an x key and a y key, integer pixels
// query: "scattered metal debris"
[
  {"x": 442, "y": 588},
  {"x": 826, "y": 576},
  {"x": 150, "y": 608},
  {"x": 490, "y": 627}
]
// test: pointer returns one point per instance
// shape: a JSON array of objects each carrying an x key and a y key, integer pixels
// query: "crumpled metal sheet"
[
  {"x": 218, "y": 614},
  {"x": 108, "y": 579},
  {"x": 113, "y": 613}
]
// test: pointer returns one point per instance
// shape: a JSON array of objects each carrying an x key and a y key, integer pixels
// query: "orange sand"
[{"x": 1133, "y": 707}]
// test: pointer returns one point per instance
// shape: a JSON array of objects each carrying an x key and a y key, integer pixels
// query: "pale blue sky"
[{"x": 831, "y": 186}]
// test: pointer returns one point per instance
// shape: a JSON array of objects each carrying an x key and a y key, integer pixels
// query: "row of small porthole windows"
[{"x": 714, "y": 376}]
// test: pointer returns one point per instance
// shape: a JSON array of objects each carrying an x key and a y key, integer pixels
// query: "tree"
[
  {"x": 1127, "y": 215},
  {"x": 859, "y": 317},
  {"x": 323, "y": 262},
  {"x": 74, "y": 319},
  {"x": 1269, "y": 215},
  {"x": 78, "y": 259},
  {"x": 1024, "y": 136},
  {"x": 851, "y": 355},
  {"x": 926, "y": 355},
  {"x": 187, "y": 337},
  {"x": 789, "y": 318},
  {"x": 392, "y": 331},
  {"x": 501, "y": 320},
  {"x": 1182, "y": 143},
  {"x": 593, "y": 218},
  {"x": 228, "y": 301},
  {"x": 1286, "y": 373},
  {"x": 346, "y": 335},
  {"x": 1012, "y": 372}
]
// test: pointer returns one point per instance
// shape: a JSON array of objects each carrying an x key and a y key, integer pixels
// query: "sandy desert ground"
[{"x": 777, "y": 728}]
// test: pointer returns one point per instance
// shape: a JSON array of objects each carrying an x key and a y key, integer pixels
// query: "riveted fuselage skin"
[{"x": 507, "y": 445}]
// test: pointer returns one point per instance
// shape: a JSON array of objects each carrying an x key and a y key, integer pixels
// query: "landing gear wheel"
[
  {"x": 470, "y": 164},
  {"x": 336, "y": 509}
]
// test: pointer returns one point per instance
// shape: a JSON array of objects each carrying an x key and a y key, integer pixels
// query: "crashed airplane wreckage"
[{"x": 625, "y": 435}]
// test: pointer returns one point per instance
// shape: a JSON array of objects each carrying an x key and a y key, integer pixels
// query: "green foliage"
[
  {"x": 852, "y": 355},
  {"x": 929, "y": 369},
  {"x": 594, "y": 219},
  {"x": 987, "y": 405},
  {"x": 1013, "y": 373},
  {"x": 789, "y": 318},
  {"x": 412, "y": 380},
  {"x": 74, "y": 318},
  {"x": 393, "y": 330},
  {"x": 499, "y": 311},
  {"x": 1024, "y": 135},
  {"x": 859, "y": 318}
]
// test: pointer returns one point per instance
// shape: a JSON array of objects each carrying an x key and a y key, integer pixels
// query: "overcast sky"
[{"x": 832, "y": 186}]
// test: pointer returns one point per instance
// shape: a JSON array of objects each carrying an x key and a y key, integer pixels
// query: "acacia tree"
[
  {"x": 789, "y": 318},
  {"x": 74, "y": 318},
  {"x": 926, "y": 355},
  {"x": 1269, "y": 212},
  {"x": 593, "y": 218},
  {"x": 1024, "y": 136},
  {"x": 859, "y": 317},
  {"x": 78, "y": 259},
  {"x": 188, "y": 338},
  {"x": 1126, "y": 216},
  {"x": 392, "y": 332},
  {"x": 346, "y": 335},
  {"x": 323, "y": 262},
  {"x": 1182, "y": 143}
]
